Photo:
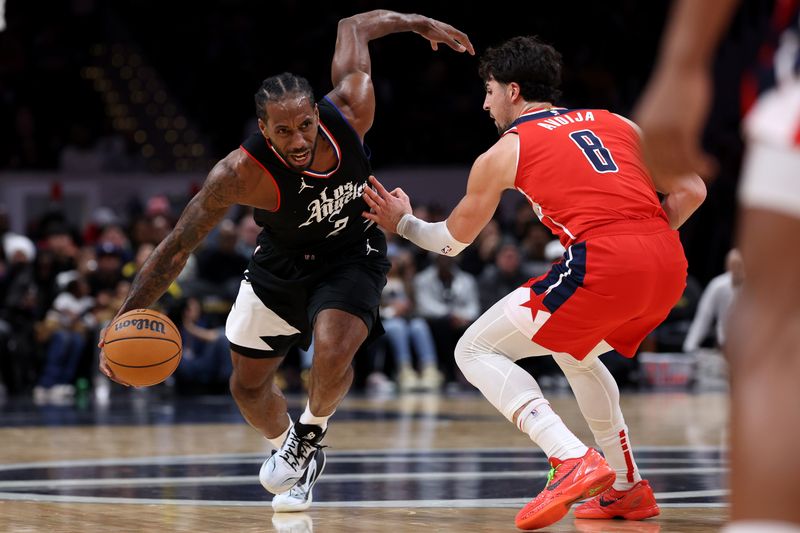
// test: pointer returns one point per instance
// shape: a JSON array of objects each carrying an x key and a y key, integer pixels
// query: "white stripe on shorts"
[
  {"x": 771, "y": 179},
  {"x": 250, "y": 319}
]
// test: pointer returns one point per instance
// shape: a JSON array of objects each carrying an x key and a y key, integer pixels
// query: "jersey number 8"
[{"x": 592, "y": 147}]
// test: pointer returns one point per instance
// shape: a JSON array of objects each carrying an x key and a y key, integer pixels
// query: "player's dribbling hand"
[
  {"x": 103, "y": 364},
  {"x": 387, "y": 208},
  {"x": 439, "y": 32}
]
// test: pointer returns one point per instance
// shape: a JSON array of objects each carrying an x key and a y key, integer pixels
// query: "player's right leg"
[
  {"x": 763, "y": 349},
  {"x": 486, "y": 355},
  {"x": 763, "y": 341}
]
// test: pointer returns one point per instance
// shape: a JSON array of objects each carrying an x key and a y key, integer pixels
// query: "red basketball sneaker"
[
  {"x": 637, "y": 503},
  {"x": 568, "y": 481}
]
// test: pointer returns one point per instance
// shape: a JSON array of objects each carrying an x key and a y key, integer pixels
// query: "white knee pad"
[
  {"x": 465, "y": 354},
  {"x": 486, "y": 354}
]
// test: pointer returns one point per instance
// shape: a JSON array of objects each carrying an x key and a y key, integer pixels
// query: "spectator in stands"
[
  {"x": 64, "y": 330},
  {"x": 506, "y": 274},
  {"x": 534, "y": 239},
  {"x": 108, "y": 270},
  {"x": 57, "y": 252},
  {"x": 247, "y": 231},
  {"x": 206, "y": 357},
  {"x": 60, "y": 241},
  {"x": 517, "y": 227},
  {"x": 407, "y": 333},
  {"x": 18, "y": 304},
  {"x": 447, "y": 297},
  {"x": 114, "y": 235},
  {"x": 16, "y": 254},
  {"x": 715, "y": 303},
  {"x": 483, "y": 251},
  {"x": 102, "y": 217},
  {"x": 220, "y": 264}
]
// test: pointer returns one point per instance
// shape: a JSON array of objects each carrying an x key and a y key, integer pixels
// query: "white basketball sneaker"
[
  {"x": 286, "y": 466},
  {"x": 299, "y": 498}
]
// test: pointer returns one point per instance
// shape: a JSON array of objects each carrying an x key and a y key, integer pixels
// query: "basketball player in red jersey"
[
  {"x": 622, "y": 271},
  {"x": 763, "y": 348},
  {"x": 319, "y": 267}
]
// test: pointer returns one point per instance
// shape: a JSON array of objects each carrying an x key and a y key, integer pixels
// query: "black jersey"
[{"x": 317, "y": 212}]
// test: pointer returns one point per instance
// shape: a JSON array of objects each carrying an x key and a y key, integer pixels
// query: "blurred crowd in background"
[
  {"x": 60, "y": 284},
  {"x": 89, "y": 86}
]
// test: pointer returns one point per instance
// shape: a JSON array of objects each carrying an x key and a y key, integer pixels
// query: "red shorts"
[{"x": 611, "y": 285}]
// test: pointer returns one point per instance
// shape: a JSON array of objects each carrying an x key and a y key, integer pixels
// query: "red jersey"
[{"x": 583, "y": 169}]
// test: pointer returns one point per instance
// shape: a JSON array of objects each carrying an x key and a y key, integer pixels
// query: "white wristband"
[{"x": 432, "y": 236}]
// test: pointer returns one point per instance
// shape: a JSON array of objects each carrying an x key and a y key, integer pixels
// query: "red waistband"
[{"x": 645, "y": 226}]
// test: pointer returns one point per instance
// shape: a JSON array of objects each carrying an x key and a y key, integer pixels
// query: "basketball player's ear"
[
  {"x": 514, "y": 92},
  {"x": 262, "y": 127}
]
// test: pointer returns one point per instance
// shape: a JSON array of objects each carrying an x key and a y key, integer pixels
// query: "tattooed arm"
[{"x": 224, "y": 187}]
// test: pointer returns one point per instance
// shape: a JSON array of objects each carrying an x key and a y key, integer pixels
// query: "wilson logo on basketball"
[{"x": 142, "y": 323}]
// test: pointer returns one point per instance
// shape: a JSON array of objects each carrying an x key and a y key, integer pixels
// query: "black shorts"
[{"x": 281, "y": 295}]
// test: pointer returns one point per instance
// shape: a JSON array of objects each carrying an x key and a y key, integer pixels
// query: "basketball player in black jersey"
[{"x": 319, "y": 267}]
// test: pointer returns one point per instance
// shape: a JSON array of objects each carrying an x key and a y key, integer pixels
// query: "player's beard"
[
  {"x": 288, "y": 157},
  {"x": 501, "y": 128}
]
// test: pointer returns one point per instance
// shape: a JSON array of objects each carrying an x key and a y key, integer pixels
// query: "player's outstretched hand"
[
  {"x": 387, "y": 208},
  {"x": 439, "y": 32}
]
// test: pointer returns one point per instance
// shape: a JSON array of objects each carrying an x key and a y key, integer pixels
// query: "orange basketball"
[{"x": 143, "y": 347}]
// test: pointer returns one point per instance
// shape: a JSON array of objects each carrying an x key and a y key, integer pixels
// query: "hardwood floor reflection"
[{"x": 399, "y": 464}]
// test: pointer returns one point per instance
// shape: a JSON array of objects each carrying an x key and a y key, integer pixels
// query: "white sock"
[
  {"x": 546, "y": 429},
  {"x": 277, "y": 442},
  {"x": 750, "y": 526},
  {"x": 616, "y": 447},
  {"x": 310, "y": 418}
]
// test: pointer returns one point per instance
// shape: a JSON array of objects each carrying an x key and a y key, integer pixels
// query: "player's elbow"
[
  {"x": 695, "y": 190},
  {"x": 347, "y": 25}
]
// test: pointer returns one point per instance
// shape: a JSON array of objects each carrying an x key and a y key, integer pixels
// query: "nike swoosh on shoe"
[
  {"x": 554, "y": 485},
  {"x": 605, "y": 503}
]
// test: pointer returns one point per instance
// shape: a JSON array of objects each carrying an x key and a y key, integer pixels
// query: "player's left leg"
[
  {"x": 486, "y": 354},
  {"x": 337, "y": 336},
  {"x": 597, "y": 394}
]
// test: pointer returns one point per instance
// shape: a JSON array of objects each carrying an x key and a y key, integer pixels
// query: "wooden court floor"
[{"x": 412, "y": 463}]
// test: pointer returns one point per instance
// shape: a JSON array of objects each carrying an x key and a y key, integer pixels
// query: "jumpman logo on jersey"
[
  {"x": 303, "y": 185},
  {"x": 371, "y": 249}
]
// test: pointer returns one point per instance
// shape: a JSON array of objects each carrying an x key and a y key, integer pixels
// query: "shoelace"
[
  {"x": 298, "y": 450},
  {"x": 551, "y": 474}
]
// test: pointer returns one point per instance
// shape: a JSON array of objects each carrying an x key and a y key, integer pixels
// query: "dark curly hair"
[
  {"x": 526, "y": 60},
  {"x": 276, "y": 88}
]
